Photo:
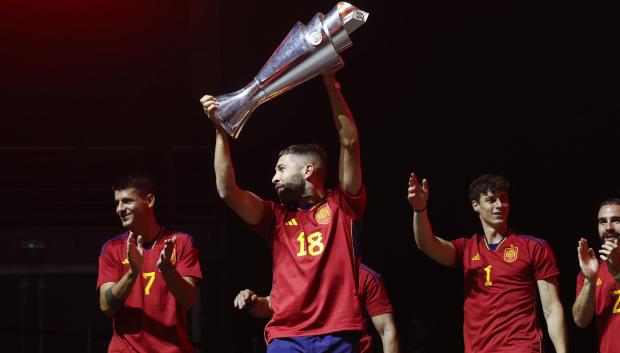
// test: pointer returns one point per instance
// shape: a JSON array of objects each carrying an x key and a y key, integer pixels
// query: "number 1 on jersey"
[{"x": 488, "y": 282}]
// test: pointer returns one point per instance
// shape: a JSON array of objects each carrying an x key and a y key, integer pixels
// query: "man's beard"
[
  {"x": 292, "y": 192},
  {"x": 610, "y": 236}
]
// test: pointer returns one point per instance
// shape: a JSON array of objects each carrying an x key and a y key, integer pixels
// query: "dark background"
[{"x": 450, "y": 89}]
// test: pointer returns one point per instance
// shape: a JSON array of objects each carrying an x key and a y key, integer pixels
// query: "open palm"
[{"x": 587, "y": 260}]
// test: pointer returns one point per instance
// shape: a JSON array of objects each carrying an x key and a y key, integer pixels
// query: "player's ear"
[
  {"x": 475, "y": 205},
  {"x": 150, "y": 200},
  {"x": 308, "y": 171}
]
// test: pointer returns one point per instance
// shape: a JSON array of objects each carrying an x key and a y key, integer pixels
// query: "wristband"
[
  {"x": 112, "y": 300},
  {"x": 420, "y": 210}
]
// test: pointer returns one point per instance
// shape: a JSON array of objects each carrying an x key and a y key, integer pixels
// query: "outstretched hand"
[
  {"x": 417, "y": 194},
  {"x": 210, "y": 105},
  {"x": 329, "y": 77},
  {"x": 245, "y": 298},
  {"x": 587, "y": 260}
]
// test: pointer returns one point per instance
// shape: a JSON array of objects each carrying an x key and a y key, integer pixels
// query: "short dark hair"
[
  {"x": 487, "y": 182},
  {"x": 312, "y": 151},
  {"x": 141, "y": 181},
  {"x": 610, "y": 201}
]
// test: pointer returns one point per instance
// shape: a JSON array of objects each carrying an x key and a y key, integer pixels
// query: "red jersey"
[
  {"x": 374, "y": 299},
  {"x": 150, "y": 319},
  {"x": 315, "y": 262},
  {"x": 500, "y": 292},
  {"x": 607, "y": 310}
]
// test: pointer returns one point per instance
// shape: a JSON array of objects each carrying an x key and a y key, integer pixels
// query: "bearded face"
[
  {"x": 291, "y": 190},
  {"x": 609, "y": 222},
  {"x": 289, "y": 180}
]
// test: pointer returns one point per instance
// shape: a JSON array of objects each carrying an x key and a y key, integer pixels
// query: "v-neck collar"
[{"x": 486, "y": 244}]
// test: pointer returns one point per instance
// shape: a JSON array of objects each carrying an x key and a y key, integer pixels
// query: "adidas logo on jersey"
[
  {"x": 291, "y": 222},
  {"x": 476, "y": 257}
]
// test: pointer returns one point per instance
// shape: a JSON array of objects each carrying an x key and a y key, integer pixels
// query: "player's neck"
[
  {"x": 496, "y": 234},
  {"x": 311, "y": 197},
  {"x": 149, "y": 232}
]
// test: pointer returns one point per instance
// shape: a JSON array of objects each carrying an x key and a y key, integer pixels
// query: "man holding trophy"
[{"x": 312, "y": 233}]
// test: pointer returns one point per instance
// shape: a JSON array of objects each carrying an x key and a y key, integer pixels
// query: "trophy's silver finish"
[{"x": 307, "y": 51}]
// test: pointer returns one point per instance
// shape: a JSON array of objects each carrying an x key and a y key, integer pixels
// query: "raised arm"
[
  {"x": 246, "y": 204},
  {"x": 436, "y": 248},
  {"x": 554, "y": 313},
  {"x": 583, "y": 308},
  {"x": 349, "y": 167},
  {"x": 386, "y": 327}
]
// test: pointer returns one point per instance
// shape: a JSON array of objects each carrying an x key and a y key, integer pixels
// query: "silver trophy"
[{"x": 307, "y": 51}]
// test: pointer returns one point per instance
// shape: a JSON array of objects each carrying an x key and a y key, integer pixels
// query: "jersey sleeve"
[
  {"x": 266, "y": 226},
  {"x": 544, "y": 262},
  {"x": 376, "y": 300},
  {"x": 109, "y": 266},
  {"x": 188, "y": 264},
  {"x": 459, "y": 250},
  {"x": 354, "y": 206}
]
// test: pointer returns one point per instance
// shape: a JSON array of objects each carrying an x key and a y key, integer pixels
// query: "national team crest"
[
  {"x": 511, "y": 253},
  {"x": 323, "y": 215}
]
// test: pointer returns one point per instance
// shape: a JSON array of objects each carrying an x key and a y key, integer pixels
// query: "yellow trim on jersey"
[{"x": 498, "y": 244}]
